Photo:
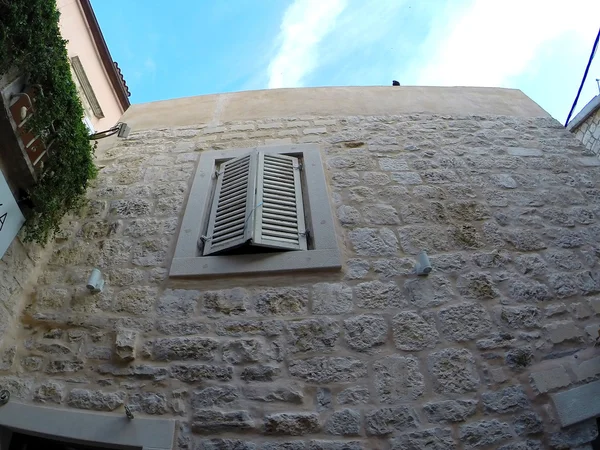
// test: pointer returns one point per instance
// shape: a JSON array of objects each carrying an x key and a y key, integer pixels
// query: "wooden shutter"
[
  {"x": 230, "y": 224},
  {"x": 279, "y": 216}
]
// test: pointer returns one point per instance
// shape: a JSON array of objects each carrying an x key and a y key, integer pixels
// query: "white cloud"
[
  {"x": 490, "y": 41},
  {"x": 305, "y": 24}
]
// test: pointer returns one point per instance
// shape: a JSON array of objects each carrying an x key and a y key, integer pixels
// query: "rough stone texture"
[
  {"x": 219, "y": 396},
  {"x": 331, "y": 298},
  {"x": 507, "y": 400},
  {"x": 260, "y": 373},
  {"x": 507, "y": 208},
  {"x": 269, "y": 394},
  {"x": 519, "y": 317},
  {"x": 282, "y": 301},
  {"x": 183, "y": 348},
  {"x": 373, "y": 242},
  {"x": 313, "y": 335},
  {"x": 228, "y": 301},
  {"x": 208, "y": 421},
  {"x": 240, "y": 328},
  {"x": 96, "y": 400},
  {"x": 519, "y": 358},
  {"x": 575, "y": 435},
  {"x": 344, "y": 423},
  {"x": 354, "y": 396},
  {"x": 412, "y": 332},
  {"x": 225, "y": 444},
  {"x": 450, "y": 411},
  {"x": 378, "y": 295},
  {"x": 431, "y": 439},
  {"x": 529, "y": 444},
  {"x": 49, "y": 392},
  {"x": 478, "y": 285},
  {"x": 398, "y": 379},
  {"x": 324, "y": 399},
  {"x": 335, "y": 445},
  {"x": 365, "y": 332},
  {"x": 528, "y": 423},
  {"x": 125, "y": 345},
  {"x": 430, "y": 291},
  {"x": 453, "y": 371},
  {"x": 484, "y": 433},
  {"x": 177, "y": 303},
  {"x": 196, "y": 372},
  {"x": 328, "y": 369},
  {"x": 464, "y": 321},
  {"x": 296, "y": 424},
  {"x": 385, "y": 421},
  {"x": 149, "y": 403},
  {"x": 242, "y": 351}
]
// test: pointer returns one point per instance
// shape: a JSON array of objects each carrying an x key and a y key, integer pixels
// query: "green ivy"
[{"x": 30, "y": 41}]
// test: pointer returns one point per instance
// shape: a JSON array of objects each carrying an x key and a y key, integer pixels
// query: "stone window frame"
[
  {"x": 83, "y": 427},
  {"x": 323, "y": 254}
]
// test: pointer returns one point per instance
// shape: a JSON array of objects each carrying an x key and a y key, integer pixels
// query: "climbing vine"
[{"x": 30, "y": 42}]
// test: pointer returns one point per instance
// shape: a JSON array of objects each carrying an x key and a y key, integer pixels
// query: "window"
[
  {"x": 86, "y": 87},
  {"x": 257, "y": 210}
]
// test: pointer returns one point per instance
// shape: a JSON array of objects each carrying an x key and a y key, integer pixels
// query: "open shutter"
[
  {"x": 279, "y": 216},
  {"x": 229, "y": 224}
]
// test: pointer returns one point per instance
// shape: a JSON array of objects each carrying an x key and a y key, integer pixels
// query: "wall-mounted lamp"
[
  {"x": 95, "y": 282},
  {"x": 423, "y": 266},
  {"x": 121, "y": 129}
]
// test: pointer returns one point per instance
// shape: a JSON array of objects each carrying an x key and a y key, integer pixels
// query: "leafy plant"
[{"x": 30, "y": 42}]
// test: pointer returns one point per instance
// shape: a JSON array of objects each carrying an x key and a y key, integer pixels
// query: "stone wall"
[
  {"x": 586, "y": 126},
  {"x": 18, "y": 267},
  {"x": 370, "y": 357}
]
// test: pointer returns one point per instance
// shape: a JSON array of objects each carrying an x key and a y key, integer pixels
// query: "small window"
[
  {"x": 257, "y": 210},
  {"x": 86, "y": 87},
  {"x": 257, "y": 203}
]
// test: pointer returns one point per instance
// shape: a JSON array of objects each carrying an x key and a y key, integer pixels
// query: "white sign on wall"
[{"x": 11, "y": 219}]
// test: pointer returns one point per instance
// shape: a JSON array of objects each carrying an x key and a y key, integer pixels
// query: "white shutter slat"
[
  {"x": 229, "y": 224},
  {"x": 279, "y": 220}
]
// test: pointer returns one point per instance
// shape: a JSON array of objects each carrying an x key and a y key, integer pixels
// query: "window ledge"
[
  {"x": 88, "y": 427},
  {"x": 243, "y": 264}
]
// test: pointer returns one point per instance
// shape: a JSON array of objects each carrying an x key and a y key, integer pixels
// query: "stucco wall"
[
  {"x": 368, "y": 357},
  {"x": 326, "y": 101},
  {"x": 74, "y": 29}
]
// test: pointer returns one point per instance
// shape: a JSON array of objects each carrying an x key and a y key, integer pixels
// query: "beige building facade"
[
  {"x": 484, "y": 352},
  {"x": 101, "y": 85}
]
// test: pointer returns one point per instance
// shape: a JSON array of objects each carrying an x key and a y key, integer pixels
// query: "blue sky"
[{"x": 195, "y": 47}]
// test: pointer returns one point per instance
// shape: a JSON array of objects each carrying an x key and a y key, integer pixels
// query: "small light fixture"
[
  {"x": 423, "y": 266},
  {"x": 95, "y": 282},
  {"x": 121, "y": 129}
]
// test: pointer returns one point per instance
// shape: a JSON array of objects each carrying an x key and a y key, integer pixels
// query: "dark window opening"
[
  {"x": 596, "y": 442},
  {"x": 20, "y": 441}
]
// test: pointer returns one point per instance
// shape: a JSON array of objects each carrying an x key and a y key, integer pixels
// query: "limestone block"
[{"x": 125, "y": 342}]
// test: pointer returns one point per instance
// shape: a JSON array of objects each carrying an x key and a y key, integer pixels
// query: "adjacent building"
[
  {"x": 103, "y": 91},
  {"x": 586, "y": 125}
]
